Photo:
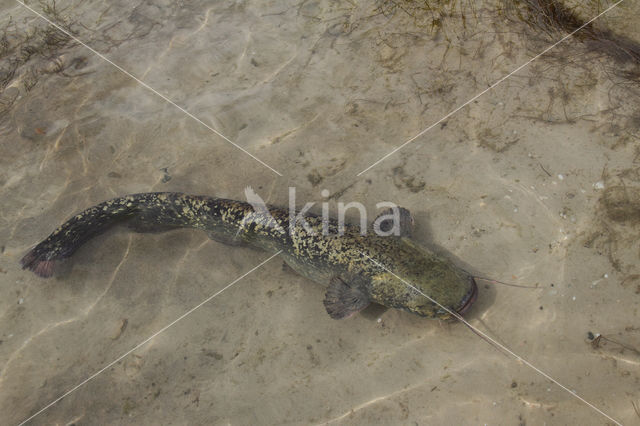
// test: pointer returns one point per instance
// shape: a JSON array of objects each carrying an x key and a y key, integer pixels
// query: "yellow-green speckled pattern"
[{"x": 353, "y": 257}]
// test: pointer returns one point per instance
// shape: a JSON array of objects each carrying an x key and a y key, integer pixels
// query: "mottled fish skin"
[{"x": 317, "y": 256}]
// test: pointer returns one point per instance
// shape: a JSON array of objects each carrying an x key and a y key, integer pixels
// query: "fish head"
[
  {"x": 457, "y": 297},
  {"x": 423, "y": 283}
]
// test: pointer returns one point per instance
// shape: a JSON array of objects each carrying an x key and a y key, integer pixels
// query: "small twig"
[
  {"x": 545, "y": 170},
  {"x": 596, "y": 344}
]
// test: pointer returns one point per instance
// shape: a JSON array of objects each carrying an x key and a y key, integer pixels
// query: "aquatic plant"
[
  {"x": 554, "y": 18},
  {"x": 432, "y": 14}
]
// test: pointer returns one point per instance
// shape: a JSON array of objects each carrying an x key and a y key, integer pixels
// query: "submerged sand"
[{"x": 535, "y": 182}]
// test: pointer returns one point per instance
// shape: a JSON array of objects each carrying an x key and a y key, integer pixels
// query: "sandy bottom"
[{"x": 535, "y": 182}]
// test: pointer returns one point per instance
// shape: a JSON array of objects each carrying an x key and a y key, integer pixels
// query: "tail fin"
[
  {"x": 145, "y": 212},
  {"x": 65, "y": 240}
]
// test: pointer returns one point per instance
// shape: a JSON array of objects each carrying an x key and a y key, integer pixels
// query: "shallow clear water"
[{"x": 537, "y": 181}]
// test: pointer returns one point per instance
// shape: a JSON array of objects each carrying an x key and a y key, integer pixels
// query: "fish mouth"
[{"x": 469, "y": 298}]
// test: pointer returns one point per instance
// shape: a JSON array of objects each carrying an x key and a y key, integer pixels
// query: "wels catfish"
[{"x": 358, "y": 268}]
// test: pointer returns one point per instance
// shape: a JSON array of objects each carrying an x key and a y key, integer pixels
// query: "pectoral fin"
[{"x": 344, "y": 300}]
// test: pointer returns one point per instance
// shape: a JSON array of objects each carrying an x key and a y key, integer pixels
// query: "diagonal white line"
[
  {"x": 398, "y": 148},
  {"x": 146, "y": 86},
  {"x": 496, "y": 343},
  {"x": 455, "y": 314},
  {"x": 145, "y": 341}
]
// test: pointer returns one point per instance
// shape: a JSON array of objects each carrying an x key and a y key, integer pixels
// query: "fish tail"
[{"x": 145, "y": 211}]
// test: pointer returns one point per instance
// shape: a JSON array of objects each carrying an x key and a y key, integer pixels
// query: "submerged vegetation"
[
  {"x": 432, "y": 14},
  {"x": 606, "y": 50},
  {"x": 18, "y": 46},
  {"x": 550, "y": 19},
  {"x": 28, "y": 53},
  {"x": 553, "y": 18}
]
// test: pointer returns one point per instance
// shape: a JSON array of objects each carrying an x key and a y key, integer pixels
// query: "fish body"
[{"x": 359, "y": 268}]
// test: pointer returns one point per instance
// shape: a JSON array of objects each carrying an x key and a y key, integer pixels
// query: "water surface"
[{"x": 536, "y": 182}]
